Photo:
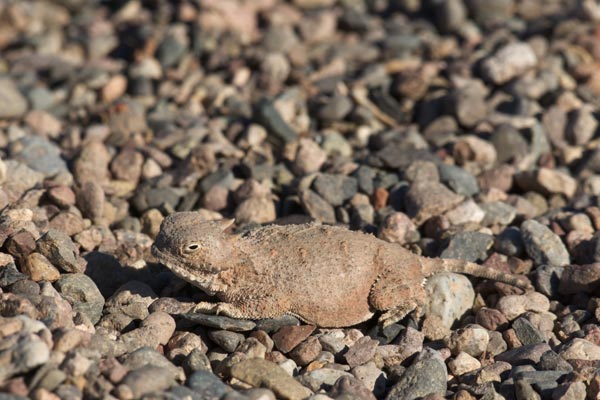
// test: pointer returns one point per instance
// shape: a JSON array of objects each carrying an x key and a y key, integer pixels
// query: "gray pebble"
[
  {"x": 543, "y": 245},
  {"x": 426, "y": 376},
  {"x": 527, "y": 332},
  {"x": 334, "y": 188},
  {"x": 83, "y": 294},
  {"x": 12, "y": 103},
  {"x": 207, "y": 385},
  {"x": 469, "y": 246},
  {"x": 60, "y": 250},
  {"x": 221, "y": 322}
]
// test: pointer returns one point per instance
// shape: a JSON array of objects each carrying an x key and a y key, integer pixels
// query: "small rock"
[
  {"x": 41, "y": 155},
  {"x": 450, "y": 296},
  {"x": 514, "y": 305},
  {"x": 469, "y": 246},
  {"x": 398, "y": 228},
  {"x": 580, "y": 349},
  {"x": 262, "y": 373},
  {"x": 426, "y": 376},
  {"x": 529, "y": 354},
  {"x": 509, "y": 62},
  {"x": 279, "y": 132},
  {"x": 509, "y": 242},
  {"x": 579, "y": 278},
  {"x": 527, "y": 332},
  {"x": 349, "y": 386},
  {"x": 547, "y": 181},
  {"x": 317, "y": 207},
  {"x": 472, "y": 340},
  {"x": 306, "y": 352},
  {"x": 309, "y": 157},
  {"x": 543, "y": 245},
  {"x": 60, "y": 250},
  {"x": 570, "y": 391},
  {"x": 427, "y": 199},
  {"x": 465, "y": 213},
  {"x": 148, "y": 379},
  {"x": 227, "y": 340},
  {"x": 220, "y": 322},
  {"x": 463, "y": 363},
  {"x": 12, "y": 103},
  {"x": 288, "y": 337},
  {"x": 39, "y": 268},
  {"x": 361, "y": 352},
  {"x": 335, "y": 189},
  {"x": 207, "y": 385},
  {"x": 83, "y": 294}
]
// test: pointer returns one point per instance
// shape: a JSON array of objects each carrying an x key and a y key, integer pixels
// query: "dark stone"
[
  {"x": 279, "y": 132},
  {"x": 469, "y": 246},
  {"x": 207, "y": 385}
]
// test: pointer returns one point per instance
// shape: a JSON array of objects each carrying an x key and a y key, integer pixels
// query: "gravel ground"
[{"x": 458, "y": 129}]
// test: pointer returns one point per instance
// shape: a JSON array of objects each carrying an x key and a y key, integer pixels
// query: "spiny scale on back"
[{"x": 326, "y": 275}]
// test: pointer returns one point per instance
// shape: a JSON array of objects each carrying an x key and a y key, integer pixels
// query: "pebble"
[
  {"x": 580, "y": 349},
  {"x": 41, "y": 155},
  {"x": 39, "y": 268},
  {"x": 472, "y": 340},
  {"x": 262, "y": 373},
  {"x": 528, "y": 354},
  {"x": 463, "y": 363},
  {"x": 335, "y": 189},
  {"x": 579, "y": 278},
  {"x": 426, "y": 376},
  {"x": 450, "y": 296},
  {"x": 12, "y": 102},
  {"x": 309, "y": 157},
  {"x": 361, "y": 352},
  {"x": 543, "y": 245},
  {"x": 207, "y": 385},
  {"x": 547, "y": 181},
  {"x": 288, "y": 337},
  {"x": 527, "y": 332},
  {"x": 306, "y": 352},
  {"x": 317, "y": 207},
  {"x": 220, "y": 322},
  {"x": 83, "y": 294},
  {"x": 509, "y": 62},
  {"x": 373, "y": 378},
  {"x": 227, "y": 340},
  {"x": 513, "y": 306},
  {"x": 60, "y": 250},
  {"x": 145, "y": 380},
  {"x": 469, "y": 246},
  {"x": 509, "y": 242},
  {"x": 398, "y": 228},
  {"x": 426, "y": 199}
]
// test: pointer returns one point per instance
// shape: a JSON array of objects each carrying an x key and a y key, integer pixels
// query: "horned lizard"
[{"x": 325, "y": 275}]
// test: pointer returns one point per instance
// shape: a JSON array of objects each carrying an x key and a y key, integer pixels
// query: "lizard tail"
[{"x": 432, "y": 266}]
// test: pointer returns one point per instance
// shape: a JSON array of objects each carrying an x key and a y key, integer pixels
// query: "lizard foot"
[{"x": 396, "y": 314}]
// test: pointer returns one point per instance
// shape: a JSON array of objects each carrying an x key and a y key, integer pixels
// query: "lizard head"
[{"x": 193, "y": 248}]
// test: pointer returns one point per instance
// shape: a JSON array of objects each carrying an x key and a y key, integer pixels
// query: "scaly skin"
[{"x": 325, "y": 275}]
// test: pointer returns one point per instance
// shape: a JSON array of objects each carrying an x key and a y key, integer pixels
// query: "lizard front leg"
[{"x": 249, "y": 309}]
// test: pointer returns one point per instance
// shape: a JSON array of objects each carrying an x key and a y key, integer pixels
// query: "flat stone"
[
  {"x": 426, "y": 376},
  {"x": 83, "y": 294},
  {"x": 60, "y": 250},
  {"x": 220, "y": 322},
  {"x": 450, "y": 296},
  {"x": 335, "y": 189},
  {"x": 469, "y": 246},
  {"x": 207, "y": 385},
  {"x": 279, "y": 132},
  {"x": 41, "y": 155},
  {"x": 288, "y": 337},
  {"x": 12, "y": 103},
  {"x": 361, "y": 352},
  {"x": 543, "y": 245},
  {"x": 263, "y": 373}
]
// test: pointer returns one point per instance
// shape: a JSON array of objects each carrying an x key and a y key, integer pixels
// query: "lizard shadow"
[{"x": 109, "y": 274}]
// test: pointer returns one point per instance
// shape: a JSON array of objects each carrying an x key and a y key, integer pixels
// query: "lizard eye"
[{"x": 191, "y": 248}]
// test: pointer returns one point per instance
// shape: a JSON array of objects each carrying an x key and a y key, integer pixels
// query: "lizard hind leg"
[{"x": 396, "y": 299}]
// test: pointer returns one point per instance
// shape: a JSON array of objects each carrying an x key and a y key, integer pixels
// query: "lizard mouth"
[{"x": 195, "y": 276}]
